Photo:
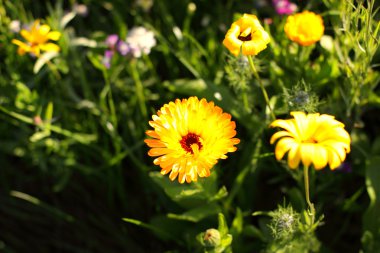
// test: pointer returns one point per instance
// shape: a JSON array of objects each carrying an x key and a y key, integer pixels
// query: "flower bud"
[
  {"x": 211, "y": 238},
  {"x": 191, "y": 7}
]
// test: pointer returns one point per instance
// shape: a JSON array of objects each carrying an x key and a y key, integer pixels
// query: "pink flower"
[{"x": 284, "y": 7}]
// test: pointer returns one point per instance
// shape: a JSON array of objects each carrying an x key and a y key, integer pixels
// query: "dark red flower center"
[
  {"x": 245, "y": 38},
  {"x": 246, "y": 35},
  {"x": 189, "y": 140}
]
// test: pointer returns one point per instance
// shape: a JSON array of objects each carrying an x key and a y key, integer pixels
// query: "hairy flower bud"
[{"x": 211, "y": 237}]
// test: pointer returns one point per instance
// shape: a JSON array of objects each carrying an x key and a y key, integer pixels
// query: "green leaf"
[
  {"x": 222, "y": 227},
  {"x": 190, "y": 195},
  {"x": 154, "y": 229},
  {"x": 48, "y": 116},
  {"x": 371, "y": 218},
  {"x": 42, "y": 60},
  {"x": 226, "y": 241},
  {"x": 49, "y": 208},
  {"x": 197, "y": 214},
  {"x": 37, "y": 136},
  {"x": 96, "y": 61},
  {"x": 237, "y": 223}
]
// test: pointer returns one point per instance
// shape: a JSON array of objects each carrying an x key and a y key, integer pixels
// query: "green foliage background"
[{"x": 81, "y": 181}]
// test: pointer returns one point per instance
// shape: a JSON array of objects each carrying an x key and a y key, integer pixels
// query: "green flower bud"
[{"x": 211, "y": 238}]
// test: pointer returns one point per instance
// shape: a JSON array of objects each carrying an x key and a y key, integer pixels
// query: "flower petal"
[
  {"x": 278, "y": 135},
  {"x": 50, "y": 47},
  {"x": 283, "y": 146},
  {"x": 320, "y": 157},
  {"x": 231, "y": 41},
  {"x": 54, "y": 35},
  {"x": 307, "y": 153},
  {"x": 294, "y": 157}
]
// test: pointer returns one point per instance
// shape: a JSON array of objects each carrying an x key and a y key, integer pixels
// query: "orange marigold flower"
[
  {"x": 189, "y": 137},
  {"x": 246, "y": 34},
  {"x": 37, "y": 40},
  {"x": 305, "y": 28},
  {"x": 311, "y": 139}
]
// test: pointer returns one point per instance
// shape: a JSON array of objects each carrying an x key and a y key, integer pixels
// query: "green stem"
[
  {"x": 265, "y": 94},
  {"x": 311, "y": 211},
  {"x": 245, "y": 100},
  {"x": 54, "y": 70},
  {"x": 139, "y": 89},
  {"x": 108, "y": 96}
]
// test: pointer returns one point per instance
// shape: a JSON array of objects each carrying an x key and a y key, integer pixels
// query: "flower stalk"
[
  {"x": 311, "y": 211},
  {"x": 139, "y": 89},
  {"x": 265, "y": 94}
]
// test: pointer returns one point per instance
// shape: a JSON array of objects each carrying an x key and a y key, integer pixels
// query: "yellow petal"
[
  {"x": 173, "y": 175},
  {"x": 252, "y": 47},
  {"x": 287, "y": 125},
  {"x": 320, "y": 157},
  {"x": 283, "y": 146},
  {"x": 334, "y": 160},
  {"x": 23, "y": 48},
  {"x": 158, "y": 151},
  {"x": 300, "y": 123},
  {"x": 279, "y": 134},
  {"x": 35, "y": 50},
  {"x": 152, "y": 133},
  {"x": 307, "y": 153},
  {"x": 155, "y": 143},
  {"x": 294, "y": 157},
  {"x": 44, "y": 30},
  {"x": 165, "y": 170},
  {"x": 231, "y": 41},
  {"x": 181, "y": 178},
  {"x": 50, "y": 47},
  {"x": 27, "y": 35},
  {"x": 54, "y": 35}
]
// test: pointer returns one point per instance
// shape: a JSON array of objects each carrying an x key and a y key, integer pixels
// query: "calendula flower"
[
  {"x": 189, "y": 137},
  {"x": 246, "y": 34},
  {"x": 311, "y": 139},
  {"x": 37, "y": 40},
  {"x": 305, "y": 28}
]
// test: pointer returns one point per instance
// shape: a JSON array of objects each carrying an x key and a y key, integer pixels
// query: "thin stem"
[
  {"x": 311, "y": 205},
  {"x": 110, "y": 101},
  {"x": 245, "y": 100},
  {"x": 139, "y": 89},
  {"x": 265, "y": 94}
]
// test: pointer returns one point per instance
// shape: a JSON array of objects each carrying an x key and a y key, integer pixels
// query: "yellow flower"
[
  {"x": 189, "y": 137},
  {"x": 248, "y": 34},
  {"x": 312, "y": 139},
  {"x": 37, "y": 40},
  {"x": 305, "y": 28}
]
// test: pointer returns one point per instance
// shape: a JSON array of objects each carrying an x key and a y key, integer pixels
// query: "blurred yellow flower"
[
  {"x": 37, "y": 40},
  {"x": 305, "y": 28},
  {"x": 311, "y": 139},
  {"x": 189, "y": 137},
  {"x": 246, "y": 34}
]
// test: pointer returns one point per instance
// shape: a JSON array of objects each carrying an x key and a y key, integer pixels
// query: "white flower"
[
  {"x": 15, "y": 26},
  {"x": 140, "y": 41}
]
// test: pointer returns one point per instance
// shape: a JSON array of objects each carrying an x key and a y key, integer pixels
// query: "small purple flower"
[
  {"x": 123, "y": 48},
  {"x": 111, "y": 41},
  {"x": 108, "y": 54},
  {"x": 284, "y": 7},
  {"x": 345, "y": 167}
]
